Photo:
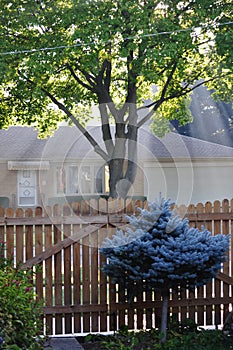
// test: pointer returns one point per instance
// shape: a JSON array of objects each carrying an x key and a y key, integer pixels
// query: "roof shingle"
[{"x": 68, "y": 143}]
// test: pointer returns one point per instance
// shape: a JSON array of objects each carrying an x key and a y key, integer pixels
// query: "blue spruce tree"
[{"x": 160, "y": 251}]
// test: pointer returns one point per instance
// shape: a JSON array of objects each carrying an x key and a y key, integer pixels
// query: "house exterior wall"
[
  {"x": 8, "y": 183},
  {"x": 138, "y": 186},
  {"x": 191, "y": 182},
  {"x": 184, "y": 182},
  {"x": 46, "y": 186},
  {"x": 48, "y": 181}
]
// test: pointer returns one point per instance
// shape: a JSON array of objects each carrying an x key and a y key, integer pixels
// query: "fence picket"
[
  {"x": 209, "y": 292},
  {"x": 85, "y": 210},
  {"x": 225, "y": 231},
  {"x": 217, "y": 283},
  {"x": 76, "y": 271},
  {"x": 29, "y": 235},
  {"x": 94, "y": 280},
  {"x": 19, "y": 237},
  {"x": 10, "y": 234},
  {"x": 49, "y": 281},
  {"x": 94, "y": 268},
  {"x": 58, "y": 271},
  {"x": 67, "y": 272},
  {"x": 38, "y": 250},
  {"x": 200, "y": 290},
  {"x": 103, "y": 278},
  {"x": 2, "y": 219}
]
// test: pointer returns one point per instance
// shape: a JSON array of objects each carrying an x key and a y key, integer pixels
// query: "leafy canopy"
[{"x": 71, "y": 54}]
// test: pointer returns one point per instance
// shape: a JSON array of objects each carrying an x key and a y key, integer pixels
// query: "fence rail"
[{"x": 64, "y": 241}]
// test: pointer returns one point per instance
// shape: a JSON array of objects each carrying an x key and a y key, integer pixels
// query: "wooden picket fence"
[{"x": 78, "y": 298}]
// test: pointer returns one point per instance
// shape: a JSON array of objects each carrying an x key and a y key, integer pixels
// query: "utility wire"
[{"x": 105, "y": 42}]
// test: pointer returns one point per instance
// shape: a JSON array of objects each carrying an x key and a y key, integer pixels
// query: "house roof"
[
  {"x": 22, "y": 143},
  {"x": 174, "y": 145}
]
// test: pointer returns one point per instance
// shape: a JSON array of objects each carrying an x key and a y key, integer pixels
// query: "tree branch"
[
  {"x": 107, "y": 79},
  {"x": 90, "y": 78},
  {"x": 157, "y": 103},
  {"x": 88, "y": 136},
  {"x": 168, "y": 81},
  {"x": 107, "y": 137},
  {"x": 85, "y": 133},
  {"x": 182, "y": 92},
  {"x": 99, "y": 89},
  {"x": 74, "y": 75},
  {"x": 149, "y": 114},
  {"x": 131, "y": 93}
]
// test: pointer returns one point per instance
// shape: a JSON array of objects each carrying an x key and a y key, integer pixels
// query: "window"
[
  {"x": 27, "y": 191},
  {"x": 98, "y": 185},
  {"x": 73, "y": 186},
  {"x": 61, "y": 180},
  {"x": 106, "y": 179},
  {"x": 84, "y": 179},
  {"x": 101, "y": 179}
]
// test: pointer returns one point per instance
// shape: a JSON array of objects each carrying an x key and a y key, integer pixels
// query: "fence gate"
[{"x": 64, "y": 242}]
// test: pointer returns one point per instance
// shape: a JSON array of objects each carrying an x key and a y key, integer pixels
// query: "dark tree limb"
[
  {"x": 88, "y": 136},
  {"x": 79, "y": 81}
]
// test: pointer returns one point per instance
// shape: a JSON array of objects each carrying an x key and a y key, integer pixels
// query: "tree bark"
[
  {"x": 115, "y": 176},
  {"x": 123, "y": 160},
  {"x": 121, "y": 177}
]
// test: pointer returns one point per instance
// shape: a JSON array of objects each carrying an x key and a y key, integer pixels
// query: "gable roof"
[{"x": 22, "y": 143}]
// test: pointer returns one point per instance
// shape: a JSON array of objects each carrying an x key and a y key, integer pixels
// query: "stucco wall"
[
  {"x": 183, "y": 182},
  {"x": 191, "y": 182},
  {"x": 8, "y": 182}
]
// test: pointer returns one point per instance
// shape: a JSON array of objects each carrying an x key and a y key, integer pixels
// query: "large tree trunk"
[
  {"x": 123, "y": 162},
  {"x": 115, "y": 176},
  {"x": 121, "y": 179},
  {"x": 121, "y": 149}
]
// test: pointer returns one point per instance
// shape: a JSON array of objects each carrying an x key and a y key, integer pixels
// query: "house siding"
[
  {"x": 47, "y": 181},
  {"x": 8, "y": 181},
  {"x": 193, "y": 182}
]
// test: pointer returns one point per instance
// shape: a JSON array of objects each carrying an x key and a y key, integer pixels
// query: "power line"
[{"x": 105, "y": 42}]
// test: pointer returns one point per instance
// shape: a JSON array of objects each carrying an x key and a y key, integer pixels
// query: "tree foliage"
[
  {"x": 58, "y": 58},
  {"x": 212, "y": 120},
  {"x": 161, "y": 252}
]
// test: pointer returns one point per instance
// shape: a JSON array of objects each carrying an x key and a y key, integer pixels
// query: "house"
[{"x": 64, "y": 167}]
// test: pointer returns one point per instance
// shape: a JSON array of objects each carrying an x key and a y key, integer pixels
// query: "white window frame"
[{"x": 93, "y": 173}]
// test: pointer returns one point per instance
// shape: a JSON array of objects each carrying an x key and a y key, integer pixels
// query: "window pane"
[
  {"x": 86, "y": 179},
  {"x": 61, "y": 180},
  {"x": 106, "y": 179},
  {"x": 73, "y": 179},
  {"x": 98, "y": 188}
]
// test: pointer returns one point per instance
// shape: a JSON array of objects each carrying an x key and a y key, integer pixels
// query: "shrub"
[
  {"x": 20, "y": 313},
  {"x": 160, "y": 251}
]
